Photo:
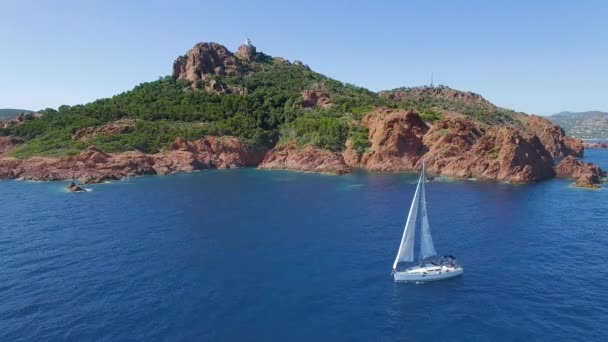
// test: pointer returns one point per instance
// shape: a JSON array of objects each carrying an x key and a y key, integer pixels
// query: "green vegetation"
[
  {"x": 266, "y": 107},
  {"x": 360, "y": 139},
  {"x": 430, "y": 100},
  {"x": 316, "y": 129},
  {"x": 430, "y": 116},
  {"x": 166, "y": 109}
]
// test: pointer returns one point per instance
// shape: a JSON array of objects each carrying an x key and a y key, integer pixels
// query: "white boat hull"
[{"x": 428, "y": 273}]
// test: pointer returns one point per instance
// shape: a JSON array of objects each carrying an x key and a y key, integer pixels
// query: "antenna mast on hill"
[{"x": 432, "y": 80}]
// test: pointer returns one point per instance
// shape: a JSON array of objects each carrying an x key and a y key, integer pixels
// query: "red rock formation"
[
  {"x": 206, "y": 59},
  {"x": 351, "y": 157},
  {"x": 586, "y": 175},
  {"x": 246, "y": 52},
  {"x": 456, "y": 147},
  {"x": 95, "y": 166},
  {"x": 396, "y": 138},
  {"x": 316, "y": 98},
  {"x": 310, "y": 159},
  {"x": 459, "y": 147},
  {"x": 447, "y": 143},
  {"x": 553, "y": 137},
  {"x": 90, "y": 166},
  {"x": 8, "y": 143},
  {"x": 209, "y": 152}
]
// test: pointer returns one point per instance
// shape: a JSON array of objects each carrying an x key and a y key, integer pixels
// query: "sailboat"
[{"x": 430, "y": 267}]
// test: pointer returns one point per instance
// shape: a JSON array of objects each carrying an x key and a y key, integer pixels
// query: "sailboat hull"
[{"x": 428, "y": 273}]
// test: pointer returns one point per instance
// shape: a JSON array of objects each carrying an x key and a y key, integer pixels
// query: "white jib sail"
[
  {"x": 406, "y": 249},
  {"x": 427, "y": 249}
]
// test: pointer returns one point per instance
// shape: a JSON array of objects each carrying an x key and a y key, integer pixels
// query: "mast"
[{"x": 427, "y": 248}]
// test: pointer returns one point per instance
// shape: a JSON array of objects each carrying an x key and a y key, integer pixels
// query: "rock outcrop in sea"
[
  {"x": 593, "y": 144},
  {"x": 587, "y": 175},
  {"x": 73, "y": 187}
]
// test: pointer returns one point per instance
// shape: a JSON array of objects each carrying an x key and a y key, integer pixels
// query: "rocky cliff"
[
  {"x": 396, "y": 138},
  {"x": 206, "y": 59},
  {"x": 94, "y": 165},
  {"x": 553, "y": 137},
  {"x": 456, "y": 147},
  {"x": 459, "y": 147},
  {"x": 308, "y": 159}
]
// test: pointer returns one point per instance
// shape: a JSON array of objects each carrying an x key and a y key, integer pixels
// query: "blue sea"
[{"x": 283, "y": 256}]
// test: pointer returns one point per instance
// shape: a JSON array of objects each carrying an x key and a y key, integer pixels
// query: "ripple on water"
[{"x": 230, "y": 255}]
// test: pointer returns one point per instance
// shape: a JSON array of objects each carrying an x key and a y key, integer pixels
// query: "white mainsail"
[
  {"x": 427, "y": 249},
  {"x": 406, "y": 248}
]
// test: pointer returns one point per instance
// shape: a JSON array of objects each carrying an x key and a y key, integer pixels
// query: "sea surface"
[{"x": 271, "y": 255}]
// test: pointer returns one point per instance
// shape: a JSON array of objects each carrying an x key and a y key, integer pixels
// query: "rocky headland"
[
  {"x": 587, "y": 175},
  {"x": 236, "y": 104},
  {"x": 454, "y": 147}
]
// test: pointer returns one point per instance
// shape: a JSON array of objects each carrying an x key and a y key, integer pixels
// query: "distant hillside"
[
  {"x": 585, "y": 125},
  {"x": 444, "y": 101},
  {"x": 263, "y": 101},
  {"x": 9, "y": 113},
  {"x": 224, "y": 109},
  {"x": 211, "y": 92}
]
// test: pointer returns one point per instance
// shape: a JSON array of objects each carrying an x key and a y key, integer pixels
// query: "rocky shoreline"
[
  {"x": 595, "y": 145},
  {"x": 471, "y": 139},
  {"x": 95, "y": 166},
  {"x": 454, "y": 147}
]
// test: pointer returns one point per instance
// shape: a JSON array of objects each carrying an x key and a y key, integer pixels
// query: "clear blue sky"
[{"x": 534, "y": 56}]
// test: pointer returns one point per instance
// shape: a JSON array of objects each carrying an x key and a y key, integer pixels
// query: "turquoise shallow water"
[{"x": 273, "y": 255}]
